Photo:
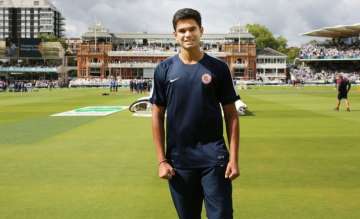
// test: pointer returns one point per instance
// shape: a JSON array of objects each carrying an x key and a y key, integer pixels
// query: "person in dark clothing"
[
  {"x": 192, "y": 87},
  {"x": 131, "y": 86},
  {"x": 343, "y": 87}
]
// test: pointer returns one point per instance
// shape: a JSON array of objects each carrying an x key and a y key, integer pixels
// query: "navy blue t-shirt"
[{"x": 192, "y": 95}]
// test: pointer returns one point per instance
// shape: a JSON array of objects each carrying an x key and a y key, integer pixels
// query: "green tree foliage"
[
  {"x": 292, "y": 53},
  {"x": 52, "y": 38},
  {"x": 265, "y": 38}
]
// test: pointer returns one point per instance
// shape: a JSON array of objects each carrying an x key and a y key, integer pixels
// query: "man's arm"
[
  {"x": 232, "y": 130},
  {"x": 158, "y": 118}
]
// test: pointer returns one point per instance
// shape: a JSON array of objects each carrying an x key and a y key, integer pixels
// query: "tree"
[
  {"x": 265, "y": 38},
  {"x": 292, "y": 53},
  {"x": 44, "y": 37},
  {"x": 282, "y": 43}
]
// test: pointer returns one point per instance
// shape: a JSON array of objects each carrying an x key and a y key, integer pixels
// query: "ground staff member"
[{"x": 343, "y": 87}]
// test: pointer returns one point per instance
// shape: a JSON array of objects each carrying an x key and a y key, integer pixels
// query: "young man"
[
  {"x": 190, "y": 87},
  {"x": 343, "y": 87}
]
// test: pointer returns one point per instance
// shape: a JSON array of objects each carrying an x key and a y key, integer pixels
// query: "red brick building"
[{"x": 135, "y": 55}]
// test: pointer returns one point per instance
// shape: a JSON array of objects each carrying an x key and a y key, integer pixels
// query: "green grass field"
[{"x": 298, "y": 157}]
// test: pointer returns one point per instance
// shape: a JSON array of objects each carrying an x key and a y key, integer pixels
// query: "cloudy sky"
[{"x": 288, "y": 18}]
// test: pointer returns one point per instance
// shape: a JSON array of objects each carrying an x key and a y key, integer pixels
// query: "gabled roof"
[{"x": 269, "y": 52}]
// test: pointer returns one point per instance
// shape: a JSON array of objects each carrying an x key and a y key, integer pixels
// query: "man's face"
[{"x": 188, "y": 33}]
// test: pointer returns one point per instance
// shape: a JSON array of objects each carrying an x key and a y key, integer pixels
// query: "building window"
[
  {"x": 239, "y": 72},
  {"x": 1, "y": 2},
  {"x": 36, "y": 3}
]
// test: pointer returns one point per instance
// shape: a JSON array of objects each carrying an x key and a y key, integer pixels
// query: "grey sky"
[{"x": 283, "y": 17}]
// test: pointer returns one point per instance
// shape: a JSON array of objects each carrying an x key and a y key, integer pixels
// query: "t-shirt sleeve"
[
  {"x": 227, "y": 91},
  {"x": 158, "y": 96}
]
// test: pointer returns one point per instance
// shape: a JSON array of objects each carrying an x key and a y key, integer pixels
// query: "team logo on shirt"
[{"x": 206, "y": 78}]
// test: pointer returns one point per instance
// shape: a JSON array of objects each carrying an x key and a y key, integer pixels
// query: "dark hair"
[{"x": 186, "y": 13}]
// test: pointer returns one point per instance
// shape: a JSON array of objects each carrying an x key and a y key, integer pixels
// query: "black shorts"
[{"x": 342, "y": 95}]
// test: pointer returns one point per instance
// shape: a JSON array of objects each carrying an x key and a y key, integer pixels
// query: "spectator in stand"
[{"x": 330, "y": 51}]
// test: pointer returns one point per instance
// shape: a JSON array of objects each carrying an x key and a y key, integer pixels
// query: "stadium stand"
[
  {"x": 338, "y": 53},
  {"x": 330, "y": 51}
]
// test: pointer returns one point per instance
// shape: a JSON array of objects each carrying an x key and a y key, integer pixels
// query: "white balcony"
[
  {"x": 95, "y": 64},
  {"x": 239, "y": 65},
  {"x": 46, "y": 19},
  {"x": 150, "y": 53},
  {"x": 133, "y": 65},
  {"x": 47, "y": 12},
  {"x": 155, "y": 53},
  {"x": 271, "y": 65},
  {"x": 216, "y": 54},
  {"x": 272, "y": 75}
]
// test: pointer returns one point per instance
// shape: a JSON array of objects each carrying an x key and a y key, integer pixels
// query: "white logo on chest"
[
  {"x": 175, "y": 79},
  {"x": 206, "y": 78}
]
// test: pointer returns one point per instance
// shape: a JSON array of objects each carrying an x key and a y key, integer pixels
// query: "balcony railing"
[
  {"x": 133, "y": 65},
  {"x": 156, "y": 53},
  {"x": 270, "y": 65},
  {"x": 95, "y": 64},
  {"x": 239, "y": 65},
  {"x": 142, "y": 53},
  {"x": 28, "y": 69}
]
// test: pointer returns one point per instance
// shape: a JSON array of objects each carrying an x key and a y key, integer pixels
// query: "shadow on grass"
[
  {"x": 37, "y": 129},
  {"x": 249, "y": 113}
]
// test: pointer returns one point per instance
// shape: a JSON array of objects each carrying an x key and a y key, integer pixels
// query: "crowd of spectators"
[
  {"x": 3, "y": 85},
  {"x": 26, "y": 85},
  {"x": 306, "y": 75},
  {"x": 135, "y": 85},
  {"x": 91, "y": 82},
  {"x": 330, "y": 50},
  {"x": 32, "y": 65}
]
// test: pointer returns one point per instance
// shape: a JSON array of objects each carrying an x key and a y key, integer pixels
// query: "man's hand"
[
  {"x": 232, "y": 170},
  {"x": 166, "y": 171}
]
